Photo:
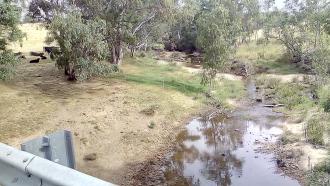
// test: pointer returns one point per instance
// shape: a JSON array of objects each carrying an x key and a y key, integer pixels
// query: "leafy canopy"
[{"x": 9, "y": 32}]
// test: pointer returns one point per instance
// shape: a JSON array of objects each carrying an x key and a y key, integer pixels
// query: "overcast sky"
[{"x": 279, "y": 3}]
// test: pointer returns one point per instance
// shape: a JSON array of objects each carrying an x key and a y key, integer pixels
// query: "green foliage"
[
  {"x": 228, "y": 89},
  {"x": 292, "y": 95},
  {"x": 147, "y": 71},
  {"x": 324, "y": 97},
  {"x": 166, "y": 76},
  {"x": 326, "y": 105},
  {"x": 82, "y": 45},
  {"x": 182, "y": 34},
  {"x": 7, "y": 65},
  {"x": 266, "y": 58},
  {"x": 9, "y": 19},
  {"x": 218, "y": 28},
  {"x": 185, "y": 29},
  {"x": 315, "y": 129},
  {"x": 321, "y": 61},
  {"x": 320, "y": 175},
  {"x": 9, "y": 32},
  {"x": 301, "y": 28},
  {"x": 288, "y": 138},
  {"x": 268, "y": 83},
  {"x": 128, "y": 22}
]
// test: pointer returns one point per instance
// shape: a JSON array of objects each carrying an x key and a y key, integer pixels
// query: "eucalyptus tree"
[
  {"x": 250, "y": 17},
  {"x": 182, "y": 34},
  {"x": 45, "y": 10},
  {"x": 9, "y": 32},
  {"x": 302, "y": 28},
  {"x": 131, "y": 23},
  {"x": 218, "y": 28},
  {"x": 82, "y": 46},
  {"x": 127, "y": 21}
]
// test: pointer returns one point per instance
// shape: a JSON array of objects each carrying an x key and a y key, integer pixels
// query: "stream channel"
[{"x": 223, "y": 149}]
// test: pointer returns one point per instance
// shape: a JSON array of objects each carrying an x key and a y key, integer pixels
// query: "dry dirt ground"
[{"x": 104, "y": 116}]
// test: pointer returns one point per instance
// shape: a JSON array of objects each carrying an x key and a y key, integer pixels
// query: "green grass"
[
  {"x": 271, "y": 56},
  {"x": 320, "y": 175},
  {"x": 315, "y": 131},
  {"x": 324, "y": 97},
  {"x": 230, "y": 90},
  {"x": 293, "y": 95},
  {"x": 186, "y": 87},
  {"x": 288, "y": 137},
  {"x": 147, "y": 71}
]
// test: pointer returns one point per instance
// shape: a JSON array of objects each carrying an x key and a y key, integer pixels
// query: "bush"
[
  {"x": 324, "y": 97},
  {"x": 288, "y": 137},
  {"x": 82, "y": 46},
  {"x": 314, "y": 131},
  {"x": 261, "y": 41},
  {"x": 7, "y": 65},
  {"x": 326, "y": 105},
  {"x": 9, "y": 18},
  {"x": 270, "y": 83},
  {"x": 321, "y": 61},
  {"x": 320, "y": 175},
  {"x": 292, "y": 95}
]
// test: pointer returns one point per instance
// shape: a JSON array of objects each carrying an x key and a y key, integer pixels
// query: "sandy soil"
[
  {"x": 289, "y": 77},
  {"x": 105, "y": 117},
  {"x": 311, "y": 155}
]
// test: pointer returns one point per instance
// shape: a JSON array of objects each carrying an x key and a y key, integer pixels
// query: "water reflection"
[{"x": 221, "y": 151}]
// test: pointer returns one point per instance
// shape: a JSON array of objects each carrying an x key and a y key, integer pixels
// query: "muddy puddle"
[{"x": 223, "y": 150}]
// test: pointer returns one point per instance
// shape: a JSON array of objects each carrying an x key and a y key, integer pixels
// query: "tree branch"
[{"x": 143, "y": 22}]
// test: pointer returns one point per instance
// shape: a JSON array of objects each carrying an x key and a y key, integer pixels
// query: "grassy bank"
[
  {"x": 306, "y": 102},
  {"x": 270, "y": 57},
  {"x": 306, "y": 106},
  {"x": 147, "y": 71}
]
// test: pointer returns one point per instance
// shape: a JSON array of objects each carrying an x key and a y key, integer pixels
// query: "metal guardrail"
[{"x": 18, "y": 168}]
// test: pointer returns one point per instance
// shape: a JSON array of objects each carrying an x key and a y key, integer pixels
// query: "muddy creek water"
[{"x": 223, "y": 150}]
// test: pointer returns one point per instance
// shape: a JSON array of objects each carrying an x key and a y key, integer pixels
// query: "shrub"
[
  {"x": 266, "y": 82},
  {"x": 326, "y": 105},
  {"x": 288, "y": 137},
  {"x": 321, "y": 61},
  {"x": 324, "y": 97},
  {"x": 261, "y": 41},
  {"x": 9, "y": 32},
  {"x": 82, "y": 46},
  {"x": 320, "y": 175},
  {"x": 292, "y": 95},
  {"x": 314, "y": 131},
  {"x": 7, "y": 65}
]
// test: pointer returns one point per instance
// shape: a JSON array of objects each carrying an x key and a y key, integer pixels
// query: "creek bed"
[{"x": 223, "y": 150}]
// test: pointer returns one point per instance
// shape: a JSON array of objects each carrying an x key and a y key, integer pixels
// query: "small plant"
[
  {"x": 270, "y": 83},
  {"x": 142, "y": 54},
  {"x": 150, "y": 111},
  {"x": 324, "y": 96},
  {"x": 326, "y": 105},
  {"x": 314, "y": 131},
  {"x": 288, "y": 138},
  {"x": 7, "y": 65},
  {"x": 292, "y": 96},
  {"x": 320, "y": 175},
  {"x": 152, "y": 125}
]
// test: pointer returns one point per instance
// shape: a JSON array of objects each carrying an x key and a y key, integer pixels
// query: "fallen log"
[{"x": 274, "y": 105}]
